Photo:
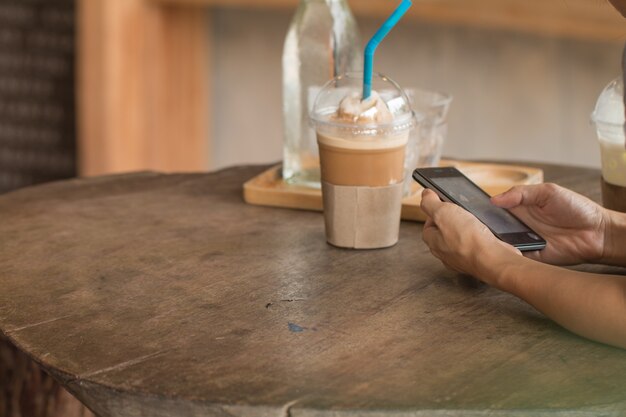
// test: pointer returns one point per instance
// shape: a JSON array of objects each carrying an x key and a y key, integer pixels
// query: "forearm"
[
  {"x": 591, "y": 305},
  {"x": 615, "y": 239}
]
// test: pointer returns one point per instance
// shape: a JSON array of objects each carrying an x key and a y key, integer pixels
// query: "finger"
[
  {"x": 432, "y": 237},
  {"x": 430, "y": 203},
  {"x": 526, "y": 195},
  {"x": 451, "y": 268},
  {"x": 428, "y": 233},
  {"x": 429, "y": 223},
  {"x": 534, "y": 255},
  {"x": 509, "y": 199}
]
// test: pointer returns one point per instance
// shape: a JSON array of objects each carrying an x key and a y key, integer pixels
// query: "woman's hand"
[
  {"x": 591, "y": 305},
  {"x": 573, "y": 225},
  {"x": 460, "y": 240}
]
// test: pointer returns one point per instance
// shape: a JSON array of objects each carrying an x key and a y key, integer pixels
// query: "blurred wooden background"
[
  {"x": 148, "y": 77},
  {"x": 37, "y": 118},
  {"x": 583, "y": 19}
]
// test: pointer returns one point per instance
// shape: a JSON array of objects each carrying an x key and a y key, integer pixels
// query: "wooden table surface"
[{"x": 165, "y": 295}]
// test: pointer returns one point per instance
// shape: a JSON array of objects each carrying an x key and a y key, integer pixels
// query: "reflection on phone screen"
[{"x": 476, "y": 202}]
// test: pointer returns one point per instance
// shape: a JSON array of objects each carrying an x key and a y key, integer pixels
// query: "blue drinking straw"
[{"x": 376, "y": 39}]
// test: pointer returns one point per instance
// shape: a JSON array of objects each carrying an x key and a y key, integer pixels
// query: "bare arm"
[{"x": 591, "y": 305}]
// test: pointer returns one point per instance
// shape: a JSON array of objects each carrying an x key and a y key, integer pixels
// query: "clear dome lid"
[
  {"x": 608, "y": 116},
  {"x": 330, "y": 98}
]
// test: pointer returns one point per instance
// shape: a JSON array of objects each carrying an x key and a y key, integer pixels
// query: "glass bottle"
[{"x": 322, "y": 42}]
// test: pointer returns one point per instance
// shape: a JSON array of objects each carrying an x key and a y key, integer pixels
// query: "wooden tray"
[{"x": 268, "y": 188}]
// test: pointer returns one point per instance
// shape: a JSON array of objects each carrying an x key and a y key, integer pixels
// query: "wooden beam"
[
  {"x": 142, "y": 87},
  {"x": 179, "y": 91},
  {"x": 578, "y": 19}
]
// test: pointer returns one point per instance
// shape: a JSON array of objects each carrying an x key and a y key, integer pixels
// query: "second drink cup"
[
  {"x": 362, "y": 145},
  {"x": 608, "y": 118}
]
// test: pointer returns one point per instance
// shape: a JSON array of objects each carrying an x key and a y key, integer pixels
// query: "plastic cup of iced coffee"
[
  {"x": 362, "y": 145},
  {"x": 609, "y": 120}
]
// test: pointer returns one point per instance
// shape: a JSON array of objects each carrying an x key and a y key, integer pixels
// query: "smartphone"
[{"x": 454, "y": 187}]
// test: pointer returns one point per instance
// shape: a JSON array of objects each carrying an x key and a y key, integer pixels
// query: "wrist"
[
  {"x": 614, "y": 238},
  {"x": 497, "y": 266}
]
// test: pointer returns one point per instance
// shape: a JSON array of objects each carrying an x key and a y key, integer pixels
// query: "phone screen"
[{"x": 475, "y": 201}]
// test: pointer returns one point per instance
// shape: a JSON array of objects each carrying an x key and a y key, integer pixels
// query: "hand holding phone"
[{"x": 452, "y": 186}]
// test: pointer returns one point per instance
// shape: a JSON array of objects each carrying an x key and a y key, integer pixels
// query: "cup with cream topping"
[{"x": 362, "y": 144}]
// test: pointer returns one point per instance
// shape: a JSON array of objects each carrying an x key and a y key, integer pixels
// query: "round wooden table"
[{"x": 166, "y": 295}]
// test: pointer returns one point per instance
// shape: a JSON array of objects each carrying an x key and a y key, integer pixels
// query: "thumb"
[
  {"x": 508, "y": 199},
  {"x": 430, "y": 203},
  {"x": 525, "y": 195}
]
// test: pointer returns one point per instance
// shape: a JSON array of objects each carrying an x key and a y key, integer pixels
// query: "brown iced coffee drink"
[
  {"x": 362, "y": 144},
  {"x": 613, "y": 175},
  {"x": 613, "y": 196},
  {"x": 374, "y": 163}
]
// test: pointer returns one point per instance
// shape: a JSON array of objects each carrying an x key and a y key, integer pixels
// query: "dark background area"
[{"x": 37, "y": 109}]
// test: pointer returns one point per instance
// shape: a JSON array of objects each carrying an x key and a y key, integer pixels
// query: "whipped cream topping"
[{"x": 371, "y": 110}]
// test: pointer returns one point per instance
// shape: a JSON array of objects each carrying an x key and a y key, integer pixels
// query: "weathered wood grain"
[{"x": 158, "y": 295}]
